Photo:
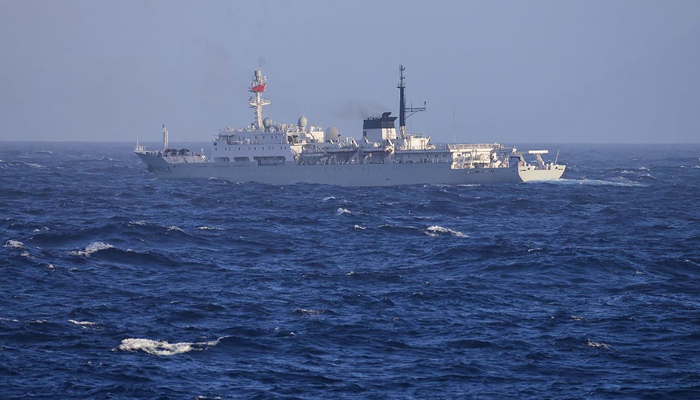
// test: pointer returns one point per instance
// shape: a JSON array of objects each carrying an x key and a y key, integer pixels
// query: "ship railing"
[{"x": 473, "y": 146}]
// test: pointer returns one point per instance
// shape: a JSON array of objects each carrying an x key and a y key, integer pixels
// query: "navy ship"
[{"x": 284, "y": 154}]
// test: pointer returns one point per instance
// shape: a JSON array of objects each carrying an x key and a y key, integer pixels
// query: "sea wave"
[
  {"x": 92, "y": 248},
  {"x": 594, "y": 182},
  {"x": 14, "y": 244},
  {"x": 342, "y": 211},
  {"x": 208, "y": 228},
  {"x": 599, "y": 345},
  {"x": 309, "y": 312},
  {"x": 163, "y": 348},
  {"x": 82, "y": 323},
  {"x": 437, "y": 230}
]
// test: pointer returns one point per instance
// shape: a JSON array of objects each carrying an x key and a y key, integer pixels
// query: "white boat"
[{"x": 283, "y": 154}]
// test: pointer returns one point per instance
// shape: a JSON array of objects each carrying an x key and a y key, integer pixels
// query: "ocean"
[{"x": 116, "y": 285}]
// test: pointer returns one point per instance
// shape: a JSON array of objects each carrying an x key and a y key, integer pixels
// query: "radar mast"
[
  {"x": 257, "y": 101},
  {"x": 403, "y": 110}
]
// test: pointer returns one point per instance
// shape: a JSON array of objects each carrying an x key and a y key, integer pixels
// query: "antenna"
[
  {"x": 557, "y": 157},
  {"x": 257, "y": 87},
  {"x": 454, "y": 127},
  {"x": 403, "y": 110}
]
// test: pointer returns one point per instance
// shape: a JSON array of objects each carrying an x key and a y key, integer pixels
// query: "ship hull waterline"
[{"x": 384, "y": 174}]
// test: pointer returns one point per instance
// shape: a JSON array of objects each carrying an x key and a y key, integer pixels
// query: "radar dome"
[
  {"x": 332, "y": 133},
  {"x": 302, "y": 122},
  {"x": 267, "y": 123}
]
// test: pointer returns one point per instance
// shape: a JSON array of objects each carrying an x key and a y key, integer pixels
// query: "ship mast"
[
  {"x": 257, "y": 101},
  {"x": 165, "y": 138},
  {"x": 402, "y": 104}
]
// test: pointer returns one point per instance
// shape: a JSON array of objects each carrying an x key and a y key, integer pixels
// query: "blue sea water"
[{"x": 117, "y": 285}]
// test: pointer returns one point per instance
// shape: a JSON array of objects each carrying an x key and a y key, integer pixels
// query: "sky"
[{"x": 594, "y": 71}]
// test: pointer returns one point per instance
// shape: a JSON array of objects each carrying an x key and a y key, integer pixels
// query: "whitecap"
[
  {"x": 208, "y": 228},
  {"x": 163, "y": 348},
  {"x": 342, "y": 211},
  {"x": 34, "y": 165},
  {"x": 93, "y": 247},
  {"x": 576, "y": 318},
  {"x": 359, "y": 228},
  {"x": 593, "y": 182},
  {"x": 598, "y": 345},
  {"x": 329, "y": 198},
  {"x": 15, "y": 244},
  {"x": 437, "y": 230},
  {"x": 82, "y": 323},
  {"x": 307, "y": 312},
  {"x": 141, "y": 223},
  {"x": 175, "y": 228}
]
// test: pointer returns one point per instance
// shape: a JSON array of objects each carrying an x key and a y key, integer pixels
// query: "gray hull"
[{"x": 389, "y": 174}]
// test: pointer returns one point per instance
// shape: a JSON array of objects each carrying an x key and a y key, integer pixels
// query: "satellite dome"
[
  {"x": 332, "y": 133},
  {"x": 302, "y": 122},
  {"x": 267, "y": 123}
]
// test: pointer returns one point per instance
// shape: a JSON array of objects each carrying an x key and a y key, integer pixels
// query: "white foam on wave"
[
  {"x": 140, "y": 223},
  {"x": 14, "y": 244},
  {"x": 359, "y": 228},
  {"x": 34, "y": 165},
  {"x": 175, "y": 228},
  {"x": 93, "y": 247},
  {"x": 329, "y": 198},
  {"x": 307, "y": 312},
  {"x": 82, "y": 323},
  {"x": 593, "y": 182},
  {"x": 437, "y": 230},
  {"x": 163, "y": 348},
  {"x": 600, "y": 345},
  {"x": 342, "y": 211},
  {"x": 208, "y": 228}
]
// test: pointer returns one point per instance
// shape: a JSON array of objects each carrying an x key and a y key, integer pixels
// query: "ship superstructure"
[{"x": 292, "y": 153}]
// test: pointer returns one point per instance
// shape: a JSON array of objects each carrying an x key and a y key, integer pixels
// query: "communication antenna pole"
[
  {"x": 403, "y": 110},
  {"x": 257, "y": 102}
]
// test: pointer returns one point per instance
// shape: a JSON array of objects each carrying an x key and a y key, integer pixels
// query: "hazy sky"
[{"x": 508, "y": 71}]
